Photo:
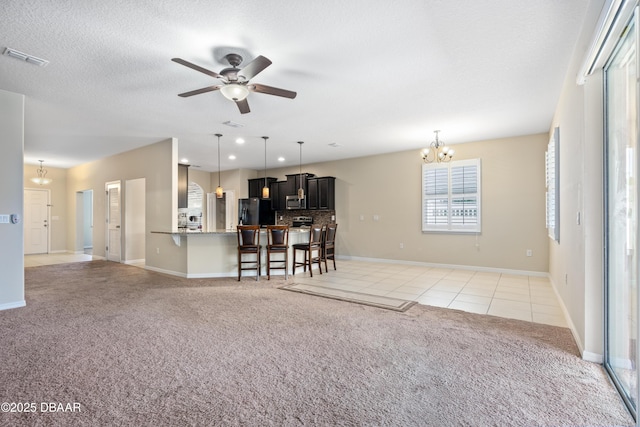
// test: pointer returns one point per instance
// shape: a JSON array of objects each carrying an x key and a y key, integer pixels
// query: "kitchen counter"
[{"x": 200, "y": 254}]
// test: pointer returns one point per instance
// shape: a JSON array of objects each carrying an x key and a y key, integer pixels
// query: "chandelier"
[
  {"x": 41, "y": 177},
  {"x": 437, "y": 151}
]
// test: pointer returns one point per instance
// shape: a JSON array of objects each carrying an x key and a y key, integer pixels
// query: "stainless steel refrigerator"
[{"x": 255, "y": 211}]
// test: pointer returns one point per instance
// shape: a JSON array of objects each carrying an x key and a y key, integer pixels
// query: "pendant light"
[
  {"x": 301, "y": 189},
  {"x": 265, "y": 189},
  {"x": 219, "y": 190},
  {"x": 41, "y": 177}
]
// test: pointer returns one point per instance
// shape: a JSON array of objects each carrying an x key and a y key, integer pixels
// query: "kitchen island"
[{"x": 215, "y": 253}]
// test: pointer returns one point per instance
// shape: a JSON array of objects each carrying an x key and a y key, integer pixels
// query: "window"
[
  {"x": 451, "y": 196},
  {"x": 553, "y": 181}
]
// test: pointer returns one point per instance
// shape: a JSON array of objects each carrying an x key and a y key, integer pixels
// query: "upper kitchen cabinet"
[
  {"x": 295, "y": 181},
  {"x": 256, "y": 184},
  {"x": 321, "y": 193},
  {"x": 278, "y": 195}
]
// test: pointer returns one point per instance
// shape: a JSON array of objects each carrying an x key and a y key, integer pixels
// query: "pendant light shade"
[
  {"x": 219, "y": 190},
  {"x": 265, "y": 189},
  {"x": 301, "y": 189},
  {"x": 41, "y": 178}
]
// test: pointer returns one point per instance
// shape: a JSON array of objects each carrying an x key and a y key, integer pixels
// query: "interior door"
[
  {"x": 114, "y": 229},
  {"x": 36, "y": 221}
]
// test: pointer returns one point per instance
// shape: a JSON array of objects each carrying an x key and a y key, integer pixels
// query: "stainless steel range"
[{"x": 302, "y": 221}]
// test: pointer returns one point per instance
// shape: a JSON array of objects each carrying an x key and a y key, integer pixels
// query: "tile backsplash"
[{"x": 319, "y": 217}]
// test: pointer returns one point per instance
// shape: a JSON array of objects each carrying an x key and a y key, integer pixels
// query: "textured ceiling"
[{"x": 372, "y": 76}]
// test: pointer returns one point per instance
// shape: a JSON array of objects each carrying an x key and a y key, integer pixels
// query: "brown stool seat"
[
  {"x": 249, "y": 244},
  {"x": 278, "y": 243},
  {"x": 314, "y": 245}
]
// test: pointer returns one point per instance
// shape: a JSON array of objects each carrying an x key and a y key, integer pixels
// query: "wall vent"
[{"x": 25, "y": 57}]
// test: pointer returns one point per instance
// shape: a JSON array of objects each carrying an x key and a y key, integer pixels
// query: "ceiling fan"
[{"x": 235, "y": 81}]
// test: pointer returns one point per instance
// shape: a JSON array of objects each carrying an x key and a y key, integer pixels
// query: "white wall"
[
  {"x": 11, "y": 199},
  {"x": 575, "y": 263}
]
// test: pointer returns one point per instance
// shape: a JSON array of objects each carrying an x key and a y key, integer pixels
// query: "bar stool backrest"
[
  {"x": 248, "y": 236},
  {"x": 278, "y": 235}
]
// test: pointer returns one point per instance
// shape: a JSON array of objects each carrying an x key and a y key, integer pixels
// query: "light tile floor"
[{"x": 529, "y": 298}]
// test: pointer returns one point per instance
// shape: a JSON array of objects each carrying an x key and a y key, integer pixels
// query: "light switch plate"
[{"x": 4, "y": 219}]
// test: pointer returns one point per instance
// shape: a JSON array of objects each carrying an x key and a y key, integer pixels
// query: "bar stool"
[
  {"x": 249, "y": 244},
  {"x": 315, "y": 244},
  {"x": 278, "y": 243},
  {"x": 329, "y": 245}
]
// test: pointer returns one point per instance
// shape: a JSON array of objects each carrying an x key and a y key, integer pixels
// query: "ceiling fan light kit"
[
  {"x": 235, "y": 81},
  {"x": 234, "y": 92}
]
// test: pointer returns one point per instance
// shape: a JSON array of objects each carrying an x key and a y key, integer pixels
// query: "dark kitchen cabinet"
[
  {"x": 278, "y": 195},
  {"x": 321, "y": 194},
  {"x": 294, "y": 182},
  {"x": 256, "y": 184}
]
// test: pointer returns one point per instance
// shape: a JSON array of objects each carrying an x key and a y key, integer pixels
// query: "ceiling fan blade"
[
  {"x": 269, "y": 90},
  {"x": 195, "y": 67},
  {"x": 254, "y": 67},
  {"x": 199, "y": 91},
  {"x": 243, "y": 106}
]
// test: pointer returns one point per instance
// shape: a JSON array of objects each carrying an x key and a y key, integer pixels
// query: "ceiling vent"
[
  {"x": 25, "y": 57},
  {"x": 233, "y": 124}
]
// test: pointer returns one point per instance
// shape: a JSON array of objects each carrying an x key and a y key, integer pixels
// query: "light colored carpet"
[
  {"x": 355, "y": 297},
  {"x": 135, "y": 347}
]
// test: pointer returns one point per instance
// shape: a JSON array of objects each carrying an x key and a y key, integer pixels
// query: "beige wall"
[
  {"x": 58, "y": 200},
  {"x": 157, "y": 163},
  {"x": 11, "y": 199},
  {"x": 389, "y": 186},
  {"x": 576, "y": 262}
]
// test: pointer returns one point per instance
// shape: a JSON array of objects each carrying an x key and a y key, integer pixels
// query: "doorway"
[
  {"x": 134, "y": 221},
  {"x": 87, "y": 222},
  {"x": 36, "y": 221},
  {"x": 114, "y": 231}
]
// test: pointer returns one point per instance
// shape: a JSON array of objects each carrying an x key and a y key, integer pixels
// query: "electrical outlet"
[
  {"x": 361, "y": 217},
  {"x": 529, "y": 252},
  {"x": 401, "y": 245},
  {"x": 157, "y": 250}
]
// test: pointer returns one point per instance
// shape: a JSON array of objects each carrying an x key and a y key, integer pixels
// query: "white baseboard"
[
  {"x": 163, "y": 271},
  {"x": 451, "y": 266},
  {"x": 134, "y": 261},
  {"x": 10, "y": 305},
  {"x": 586, "y": 355}
]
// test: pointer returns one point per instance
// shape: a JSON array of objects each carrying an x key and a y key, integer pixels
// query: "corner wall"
[
  {"x": 157, "y": 163},
  {"x": 11, "y": 199},
  {"x": 576, "y": 262}
]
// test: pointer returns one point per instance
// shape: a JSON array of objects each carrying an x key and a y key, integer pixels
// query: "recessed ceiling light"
[
  {"x": 239, "y": 141},
  {"x": 185, "y": 160},
  {"x": 281, "y": 159},
  {"x": 232, "y": 157}
]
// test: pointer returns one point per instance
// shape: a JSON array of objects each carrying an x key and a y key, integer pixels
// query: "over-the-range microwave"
[{"x": 295, "y": 202}]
